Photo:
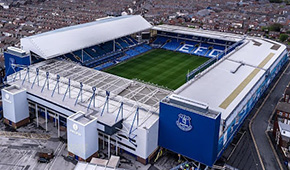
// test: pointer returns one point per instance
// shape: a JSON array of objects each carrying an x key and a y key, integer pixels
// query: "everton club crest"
[{"x": 184, "y": 122}]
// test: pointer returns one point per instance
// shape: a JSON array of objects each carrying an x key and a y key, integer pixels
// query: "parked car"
[{"x": 43, "y": 160}]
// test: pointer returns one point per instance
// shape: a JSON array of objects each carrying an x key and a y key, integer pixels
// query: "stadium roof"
[
  {"x": 224, "y": 85},
  {"x": 61, "y": 41},
  {"x": 198, "y": 32},
  {"x": 132, "y": 94}
]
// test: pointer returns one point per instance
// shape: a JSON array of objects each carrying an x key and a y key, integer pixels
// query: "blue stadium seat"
[
  {"x": 103, "y": 59},
  {"x": 126, "y": 57},
  {"x": 188, "y": 47},
  {"x": 95, "y": 51},
  {"x": 71, "y": 57},
  {"x": 219, "y": 47},
  {"x": 214, "y": 53},
  {"x": 91, "y": 52},
  {"x": 118, "y": 47},
  {"x": 132, "y": 52},
  {"x": 132, "y": 39},
  {"x": 99, "y": 50},
  {"x": 147, "y": 46},
  {"x": 105, "y": 65},
  {"x": 172, "y": 45},
  {"x": 79, "y": 53},
  {"x": 102, "y": 56},
  {"x": 107, "y": 47},
  {"x": 160, "y": 40},
  {"x": 122, "y": 43},
  {"x": 128, "y": 41}
]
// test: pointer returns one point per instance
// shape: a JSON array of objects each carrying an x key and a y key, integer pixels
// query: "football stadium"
[{"x": 123, "y": 84}]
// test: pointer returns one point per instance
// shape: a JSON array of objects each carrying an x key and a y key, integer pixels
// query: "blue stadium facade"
[{"x": 199, "y": 141}]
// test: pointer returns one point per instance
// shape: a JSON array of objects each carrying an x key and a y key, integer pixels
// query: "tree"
[
  {"x": 275, "y": 1},
  {"x": 283, "y": 37},
  {"x": 275, "y": 27}
]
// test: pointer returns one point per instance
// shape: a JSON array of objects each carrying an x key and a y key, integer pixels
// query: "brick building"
[{"x": 281, "y": 129}]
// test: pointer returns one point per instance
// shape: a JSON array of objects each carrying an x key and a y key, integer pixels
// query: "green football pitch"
[{"x": 162, "y": 67}]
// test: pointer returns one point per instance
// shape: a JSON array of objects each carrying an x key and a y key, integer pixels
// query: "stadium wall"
[
  {"x": 82, "y": 138},
  {"x": 198, "y": 140},
  {"x": 141, "y": 146},
  {"x": 236, "y": 119},
  {"x": 147, "y": 141}
]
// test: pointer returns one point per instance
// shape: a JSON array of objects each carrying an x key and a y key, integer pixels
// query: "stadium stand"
[
  {"x": 83, "y": 55},
  {"x": 173, "y": 44},
  {"x": 105, "y": 65},
  {"x": 127, "y": 41},
  {"x": 126, "y": 57},
  {"x": 93, "y": 52},
  {"x": 160, "y": 40},
  {"x": 188, "y": 44},
  {"x": 147, "y": 46},
  {"x": 102, "y": 55},
  {"x": 103, "y": 59},
  {"x": 71, "y": 57},
  {"x": 135, "y": 51},
  {"x": 122, "y": 43},
  {"x": 107, "y": 47},
  {"x": 128, "y": 54},
  {"x": 132, "y": 39}
]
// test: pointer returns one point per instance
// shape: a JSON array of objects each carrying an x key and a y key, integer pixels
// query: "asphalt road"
[{"x": 260, "y": 123}]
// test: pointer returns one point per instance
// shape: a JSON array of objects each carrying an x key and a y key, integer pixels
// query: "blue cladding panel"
[
  {"x": 236, "y": 124},
  {"x": 200, "y": 143},
  {"x": 14, "y": 59}
]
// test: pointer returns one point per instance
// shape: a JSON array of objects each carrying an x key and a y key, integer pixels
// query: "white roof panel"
[
  {"x": 254, "y": 54},
  {"x": 215, "y": 86},
  {"x": 65, "y": 40},
  {"x": 198, "y": 32},
  {"x": 221, "y": 87},
  {"x": 284, "y": 129},
  {"x": 127, "y": 92}
]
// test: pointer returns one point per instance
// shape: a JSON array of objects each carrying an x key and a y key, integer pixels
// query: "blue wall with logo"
[
  {"x": 198, "y": 143},
  {"x": 14, "y": 59}
]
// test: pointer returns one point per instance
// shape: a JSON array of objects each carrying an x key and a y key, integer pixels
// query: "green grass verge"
[{"x": 162, "y": 67}]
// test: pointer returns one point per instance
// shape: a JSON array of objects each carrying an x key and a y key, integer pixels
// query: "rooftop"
[
  {"x": 224, "y": 85},
  {"x": 284, "y": 129},
  {"x": 13, "y": 89},
  {"x": 132, "y": 94},
  {"x": 64, "y": 40},
  {"x": 81, "y": 118},
  {"x": 284, "y": 107},
  {"x": 199, "y": 32}
]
